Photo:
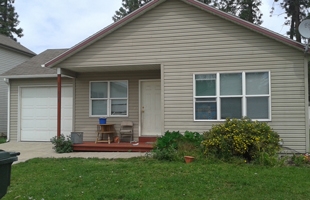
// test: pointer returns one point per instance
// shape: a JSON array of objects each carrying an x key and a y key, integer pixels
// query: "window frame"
[
  {"x": 108, "y": 99},
  {"x": 243, "y": 96}
]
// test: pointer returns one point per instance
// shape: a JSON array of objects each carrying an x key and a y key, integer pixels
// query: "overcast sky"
[{"x": 52, "y": 24}]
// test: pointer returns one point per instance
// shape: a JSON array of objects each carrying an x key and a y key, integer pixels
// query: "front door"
[{"x": 150, "y": 108}]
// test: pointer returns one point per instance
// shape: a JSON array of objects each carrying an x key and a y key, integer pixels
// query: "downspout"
[
  {"x": 307, "y": 102},
  {"x": 58, "y": 102},
  {"x": 7, "y": 81}
]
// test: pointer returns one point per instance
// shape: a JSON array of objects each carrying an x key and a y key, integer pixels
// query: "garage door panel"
[{"x": 39, "y": 113}]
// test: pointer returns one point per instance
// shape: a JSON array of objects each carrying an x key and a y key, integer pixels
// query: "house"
[
  {"x": 181, "y": 65},
  {"x": 11, "y": 54},
  {"x": 33, "y": 99}
]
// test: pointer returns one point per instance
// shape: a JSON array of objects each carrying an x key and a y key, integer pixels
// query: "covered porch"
[{"x": 140, "y": 103}]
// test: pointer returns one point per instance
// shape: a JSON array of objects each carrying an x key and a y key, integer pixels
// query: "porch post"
[{"x": 58, "y": 102}]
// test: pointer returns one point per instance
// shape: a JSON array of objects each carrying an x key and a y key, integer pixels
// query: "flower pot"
[{"x": 189, "y": 159}]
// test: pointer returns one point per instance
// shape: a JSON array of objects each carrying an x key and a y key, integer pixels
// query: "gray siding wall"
[
  {"x": 8, "y": 60},
  {"x": 187, "y": 40},
  {"x": 15, "y": 84}
]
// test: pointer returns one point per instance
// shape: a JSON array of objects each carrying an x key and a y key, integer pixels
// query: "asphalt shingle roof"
[
  {"x": 34, "y": 65},
  {"x": 9, "y": 43}
]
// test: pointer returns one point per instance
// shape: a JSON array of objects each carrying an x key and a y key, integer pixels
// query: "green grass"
[{"x": 145, "y": 178}]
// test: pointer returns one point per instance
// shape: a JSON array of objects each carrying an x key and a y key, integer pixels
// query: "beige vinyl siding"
[
  {"x": 87, "y": 124},
  {"x": 15, "y": 84},
  {"x": 8, "y": 60},
  {"x": 187, "y": 40}
]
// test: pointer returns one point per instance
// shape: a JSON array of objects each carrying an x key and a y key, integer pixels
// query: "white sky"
[{"x": 52, "y": 24}]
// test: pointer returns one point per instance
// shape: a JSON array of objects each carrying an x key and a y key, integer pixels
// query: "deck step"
[
  {"x": 113, "y": 147},
  {"x": 148, "y": 139}
]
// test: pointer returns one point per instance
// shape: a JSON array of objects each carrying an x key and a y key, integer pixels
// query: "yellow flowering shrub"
[{"x": 242, "y": 138}]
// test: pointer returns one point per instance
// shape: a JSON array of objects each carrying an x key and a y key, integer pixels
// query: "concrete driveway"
[{"x": 29, "y": 150}]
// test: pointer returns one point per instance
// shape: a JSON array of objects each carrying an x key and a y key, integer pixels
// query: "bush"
[
  {"x": 174, "y": 145},
  {"x": 242, "y": 138},
  {"x": 61, "y": 144},
  {"x": 300, "y": 160}
]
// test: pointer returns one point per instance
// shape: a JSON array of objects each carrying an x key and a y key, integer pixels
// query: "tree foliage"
[
  {"x": 296, "y": 11},
  {"x": 245, "y": 9},
  {"x": 128, "y": 6},
  {"x": 9, "y": 20}
]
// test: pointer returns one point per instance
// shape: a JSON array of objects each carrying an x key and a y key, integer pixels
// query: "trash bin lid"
[{"x": 4, "y": 155}]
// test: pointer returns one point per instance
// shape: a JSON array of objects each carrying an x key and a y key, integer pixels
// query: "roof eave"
[
  {"x": 18, "y": 50},
  {"x": 29, "y": 76}
]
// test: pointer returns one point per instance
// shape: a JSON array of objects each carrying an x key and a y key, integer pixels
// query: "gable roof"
[
  {"x": 8, "y": 43},
  {"x": 102, "y": 33},
  {"x": 32, "y": 67}
]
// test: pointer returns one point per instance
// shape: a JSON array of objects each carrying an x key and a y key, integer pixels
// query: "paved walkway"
[{"x": 29, "y": 150}]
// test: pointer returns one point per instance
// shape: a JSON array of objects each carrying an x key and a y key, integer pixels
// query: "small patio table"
[{"x": 105, "y": 129}]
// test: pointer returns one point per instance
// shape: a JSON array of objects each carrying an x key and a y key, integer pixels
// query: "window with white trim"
[
  {"x": 108, "y": 98},
  {"x": 218, "y": 96}
]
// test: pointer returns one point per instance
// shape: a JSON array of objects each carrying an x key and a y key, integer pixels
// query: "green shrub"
[
  {"x": 174, "y": 146},
  {"x": 166, "y": 146},
  {"x": 2, "y": 140},
  {"x": 250, "y": 140},
  {"x": 300, "y": 159},
  {"x": 193, "y": 137},
  {"x": 61, "y": 144}
]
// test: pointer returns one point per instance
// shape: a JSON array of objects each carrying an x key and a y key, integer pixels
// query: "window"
[
  {"x": 219, "y": 96},
  {"x": 109, "y": 98}
]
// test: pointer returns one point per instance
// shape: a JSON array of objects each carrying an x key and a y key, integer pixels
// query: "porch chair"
[{"x": 126, "y": 130}]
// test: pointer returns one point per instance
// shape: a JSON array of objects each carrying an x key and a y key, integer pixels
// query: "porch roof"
[{"x": 116, "y": 68}]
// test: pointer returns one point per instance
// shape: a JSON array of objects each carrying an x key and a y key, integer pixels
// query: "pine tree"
[
  {"x": 128, "y": 6},
  {"x": 9, "y": 20},
  {"x": 296, "y": 11},
  {"x": 245, "y": 9},
  {"x": 249, "y": 11}
]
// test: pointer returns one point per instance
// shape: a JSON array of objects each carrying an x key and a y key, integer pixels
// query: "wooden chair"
[{"x": 126, "y": 129}]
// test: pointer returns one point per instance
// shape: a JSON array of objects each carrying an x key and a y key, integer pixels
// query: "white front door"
[
  {"x": 38, "y": 115},
  {"x": 150, "y": 108}
]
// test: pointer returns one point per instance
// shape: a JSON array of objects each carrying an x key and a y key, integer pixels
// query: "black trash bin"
[{"x": 6, "y": 160}]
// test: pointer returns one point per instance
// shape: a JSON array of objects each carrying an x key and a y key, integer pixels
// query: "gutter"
[
  {"x": 7, "y": 81},
  {"x": 31, "y": 76}
]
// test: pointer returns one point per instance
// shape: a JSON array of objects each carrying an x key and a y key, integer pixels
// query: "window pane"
[
  {"x": 119, "y": 107},
  {"x": 231, "y": 84},
  {"x": 231, "y": 108},
  {"x": 205, "y": 110},
  {"x": 99, "y": 107},
  {"x": 257, "y": 83},
  {"x": 205, "y": 85},
  {"x": 99, "y": 90},
  {"x": 257, "y": 107},
  {"x": 118, "y": 89}
]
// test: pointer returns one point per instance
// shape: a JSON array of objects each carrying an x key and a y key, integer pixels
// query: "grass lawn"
[{"x": 145, "y": 178}]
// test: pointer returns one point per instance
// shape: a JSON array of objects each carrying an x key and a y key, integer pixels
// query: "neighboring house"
[
  {"x": 11, "y": 54},
  {"x": 33, "y": 99},
  {"x": 182, "y": 65}
]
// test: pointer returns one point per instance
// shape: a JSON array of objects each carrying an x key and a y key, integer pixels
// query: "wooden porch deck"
[{"x": 145, "y": 144}]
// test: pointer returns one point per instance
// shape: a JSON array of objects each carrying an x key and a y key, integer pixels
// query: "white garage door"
[{"x": 39, "y": 113}]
